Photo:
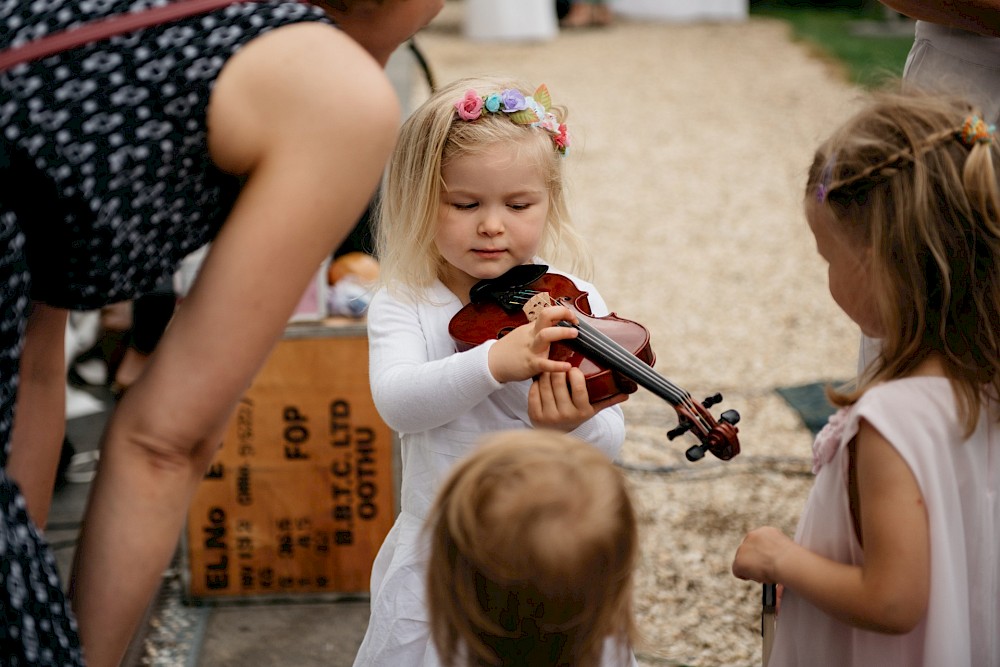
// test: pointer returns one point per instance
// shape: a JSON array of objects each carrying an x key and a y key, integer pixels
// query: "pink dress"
[{"x": 960, "y": 480}]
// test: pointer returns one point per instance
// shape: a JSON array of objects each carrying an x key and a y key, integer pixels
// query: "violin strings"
[
  {"x": 614, "y": 352},
  {"x": 601, "y": 343}
]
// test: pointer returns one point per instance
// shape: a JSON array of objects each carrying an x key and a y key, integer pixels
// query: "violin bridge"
[{"x": 533, "y": 307}]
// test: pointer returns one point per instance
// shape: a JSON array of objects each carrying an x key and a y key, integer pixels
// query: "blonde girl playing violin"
[
  {"x": 896, "y": 560},
  {"x": 474, "y": 188}
]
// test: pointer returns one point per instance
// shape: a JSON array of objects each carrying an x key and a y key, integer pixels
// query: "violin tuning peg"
[
  {"x": 680, "y": 429},
  {"x": 695, "y": 453},
  {"x": 730, "y": 417},
  {"x": 712, "y": 400}
]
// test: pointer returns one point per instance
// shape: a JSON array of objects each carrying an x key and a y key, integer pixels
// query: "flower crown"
[{"x": 521, "y": 109}]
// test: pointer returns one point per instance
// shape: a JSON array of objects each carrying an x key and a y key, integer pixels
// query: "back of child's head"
[
  {"x": 533, "y": 545},
  {"x": 913, "y": 177},
  {"x": 436, "y": 133}
]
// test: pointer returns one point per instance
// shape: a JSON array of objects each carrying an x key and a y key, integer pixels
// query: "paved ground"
[{"x": 691, "y": 147}]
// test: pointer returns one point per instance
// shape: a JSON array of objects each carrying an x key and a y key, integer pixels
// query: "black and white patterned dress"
[{"x": 105, "y": 184}]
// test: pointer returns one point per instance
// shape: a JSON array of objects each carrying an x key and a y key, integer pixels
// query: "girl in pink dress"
[{"x": 896, "y": 560}]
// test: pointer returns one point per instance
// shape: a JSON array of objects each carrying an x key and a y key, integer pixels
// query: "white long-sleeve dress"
[{"x": 440, "y": 402}]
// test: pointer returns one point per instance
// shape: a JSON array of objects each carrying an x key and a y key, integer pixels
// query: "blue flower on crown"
[{"x": 493, "y": 103}]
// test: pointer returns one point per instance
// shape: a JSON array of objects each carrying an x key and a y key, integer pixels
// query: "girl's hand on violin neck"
[
  {"x": 560, "y": 401},
  {"x": 758, "y": 556},
  {"x": 524, "y": 352}
]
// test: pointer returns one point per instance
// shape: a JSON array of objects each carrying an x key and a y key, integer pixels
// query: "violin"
[{"x": 613, "y": 353}]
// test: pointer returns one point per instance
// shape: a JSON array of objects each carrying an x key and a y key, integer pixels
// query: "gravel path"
[{"x": 691, "y": 145}]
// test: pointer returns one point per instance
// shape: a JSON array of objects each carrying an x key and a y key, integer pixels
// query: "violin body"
[
  {"x": 479, "y": 322},
  {"x": 613, "y": 354}
]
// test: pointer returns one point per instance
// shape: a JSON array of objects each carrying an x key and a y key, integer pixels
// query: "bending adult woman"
[{"x": 258, "y": 126}]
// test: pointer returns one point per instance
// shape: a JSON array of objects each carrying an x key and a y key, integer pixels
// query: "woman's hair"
[
  {"x": 410, "y": 200},
  {"x": 913, "y": 177},
  {"x": 533, "y": 546}
]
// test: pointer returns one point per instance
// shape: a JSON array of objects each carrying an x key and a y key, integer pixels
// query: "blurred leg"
[
  {"x": 601, "y": 13},
  {"x": 580, "y": 14},
  {"x": 40, "y": 416}
]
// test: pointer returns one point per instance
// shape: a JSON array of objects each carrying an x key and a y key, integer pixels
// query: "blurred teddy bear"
[{"x": 352, "y": 279}]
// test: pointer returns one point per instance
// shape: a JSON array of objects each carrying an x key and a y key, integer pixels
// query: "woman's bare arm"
[{"x": 310, "y": 119}]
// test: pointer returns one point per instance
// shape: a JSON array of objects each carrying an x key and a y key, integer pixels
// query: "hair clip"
[
  {"x": 521, "y": 109},
  {"x": 976, "y": 131},
  {"x": 823, "y": 189}
]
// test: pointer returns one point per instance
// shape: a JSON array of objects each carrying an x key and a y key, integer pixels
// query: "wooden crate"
[{"x": 302, "y": 493}]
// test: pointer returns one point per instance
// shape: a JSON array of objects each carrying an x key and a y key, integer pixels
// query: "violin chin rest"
[{"x": 487, "y": 291}]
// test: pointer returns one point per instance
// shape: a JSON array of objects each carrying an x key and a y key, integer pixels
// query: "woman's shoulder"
[{"x": 274, "y": 88}]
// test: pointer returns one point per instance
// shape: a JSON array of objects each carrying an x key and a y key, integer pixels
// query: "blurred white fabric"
[
  {"x": 683, "y": 10},
  {"x": 82, "y": 329},
  {"x": 511, "y": 20}
]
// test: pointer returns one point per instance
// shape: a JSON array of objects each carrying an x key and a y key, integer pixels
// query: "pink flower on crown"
[
  {"x": 561, "y": 140},
  {"x": 470, "y": 107},
  {"x": 827, "y": 441}
]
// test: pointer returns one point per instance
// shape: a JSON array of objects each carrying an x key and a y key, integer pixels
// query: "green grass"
[{"x": 867, "y": 60}]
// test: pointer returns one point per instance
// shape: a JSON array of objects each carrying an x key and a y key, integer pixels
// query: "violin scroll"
[{"x": 718, "y": 437}]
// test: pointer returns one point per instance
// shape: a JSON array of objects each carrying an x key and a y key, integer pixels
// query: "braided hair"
[{"x": 913, "y": 177}]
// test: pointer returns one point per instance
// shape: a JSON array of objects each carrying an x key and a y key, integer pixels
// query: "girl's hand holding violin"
[
  {"x": 558, "y": 398},
  {"x": 560, "y": 401},
  {"x": 524, "y": 352}
]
